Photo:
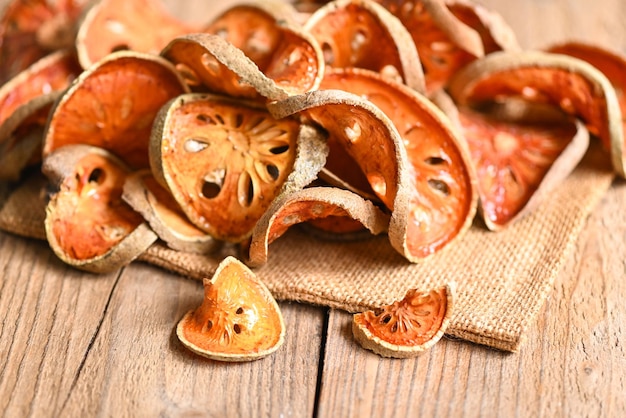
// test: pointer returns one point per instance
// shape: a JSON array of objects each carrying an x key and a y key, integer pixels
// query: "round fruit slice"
[
  {"x": 225, "y": 160},
  {"x": 613, "y": 66},
  {"x": 349, "y": 30},
  {"x": 408, "y": 327},
  {"x": 88, "y": 225},
  {"x": 444, "y": 43},
  {"x": 576, "y": 87},
  {"x": 113, "y": 105},
  {"x": 309, "y": 204},
  {"x": 518, "y": 161},
  {"x": 146, "y": 196},
  {"x": 442, "y": 191},
  {"x": 238, "y": 319},
  {"x": 31, "y": 29},
  {"x": 116, "y": 25}
]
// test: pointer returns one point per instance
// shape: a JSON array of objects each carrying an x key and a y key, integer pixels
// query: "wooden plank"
[
  {"x": 50, "y": 315},
  {"x": 571, "y": 365},
  {"x": 137, "y": 366}
]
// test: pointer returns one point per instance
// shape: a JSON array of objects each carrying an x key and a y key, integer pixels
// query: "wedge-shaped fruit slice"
[
  {"x": 224, "y": 160},
  {"x": 209, "y": 62},
  {"x": 116, "y": 25},
  {"x": 310, "y": 204},
  {"x": 519, "y": 160},
  {"x": 113, "y": 105},
  {"x": 576, "y": 87},
  {"x": 613, "y": 66},
  {"x": 88, "y": 225},
  {"x": 238, "y": 319},
  {"x": 408, "y": 327},
  {"x": 442, "y": 191},
  {"x": 25, "y": 102},
  {"x": 444, "y": 43},
  {"x": 350, "y": 30},
  {"x": 156, "y": 204},
  {"x": 31, "y": 29}
]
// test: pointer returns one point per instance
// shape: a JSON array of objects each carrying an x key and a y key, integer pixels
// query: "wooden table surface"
[{"x": 75, "y": 344}]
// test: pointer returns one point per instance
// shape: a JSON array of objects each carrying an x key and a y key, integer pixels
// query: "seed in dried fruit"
[
  {"x": 408, "y": 327},
  {"x": 238, "y": 319}
]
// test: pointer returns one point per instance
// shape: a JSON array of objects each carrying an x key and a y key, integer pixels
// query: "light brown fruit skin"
[
  {"x": 383, "y": 348},
  {"x": 189, "y": 320},
  {"x": 59, "y": 165}
]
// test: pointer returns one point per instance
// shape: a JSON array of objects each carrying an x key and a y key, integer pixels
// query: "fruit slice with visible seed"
[
  {"x": 238, "y": 319},
  {"x": 315, "y": 203},
  {"x": 113, "y": 105},
  {"x": 87, "y": 223},
  {"x": 224, "y": 160},
  {"x": 408, "y": 327}
]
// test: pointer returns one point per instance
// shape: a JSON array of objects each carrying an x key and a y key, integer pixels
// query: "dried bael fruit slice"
[
  {"x": 576, "y": 87},
  {"x": 442, "y": 193},
  {"x": 156, "y": 204},
  {"x": 113, "y": 105},
  {"x": 309, "y": 204},
  {"x": 116, "y": 25},
  {"x": 443, "y": 41},
  {"x": 25, "y": 102},
  {"x": 88, "y": 225},
  {"x": 238, "y": 319},
  {"x": 350, "y": 30},
  {"x": 613, "y": 66},
  {"x": 408, "y": 327},
  {"x": 31, "y": 29},
  {"x": 225, "y": 160},
  {"x": 518, "y": 161}
]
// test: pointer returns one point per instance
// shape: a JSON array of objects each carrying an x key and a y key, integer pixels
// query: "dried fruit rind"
[
  {"x": 408, "y": 327},
  {"x": 87, "y": 224},
  {"x": 312, "y": 203},
  {"x": 238, "y": 320}
]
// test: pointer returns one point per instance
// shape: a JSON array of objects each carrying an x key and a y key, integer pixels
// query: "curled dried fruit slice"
[
  {"x": 113, "y": 105},
  {"x": 349, "y": 30},
  {"x": 225, "y": 160},
  {"x": 444, "y": 43},
  {"x": 238, "y": 319},
  {"x": 146, "y": 196},
  {"x": 310, "y": 204},
  {"x": 408, "y": 327},
  {"x": 31, "y": 29},
  {"x": 441, "y": 193},
  {"x": 116, "y": 25},
  {"x": 613, "y": 66},
  {"x": 88, "y": 225},
  {"x": 518, "y": 161},
  {"x": 571, "y": 84}
]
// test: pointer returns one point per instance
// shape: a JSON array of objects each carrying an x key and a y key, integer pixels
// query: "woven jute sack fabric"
[{"x": 502, "y": 278}]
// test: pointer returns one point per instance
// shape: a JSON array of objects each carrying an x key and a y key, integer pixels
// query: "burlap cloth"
[{"x": 502, "y": 278}]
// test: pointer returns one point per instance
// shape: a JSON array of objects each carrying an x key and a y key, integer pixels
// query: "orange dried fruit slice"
[
  {"x": 113, "y": 105},
  {"x": 350, "y": 30},
  {"x": 116, "y": 25},
  {"x": 444, "y": 43},
  {"x": 519, "y": 161},
  {"x": 25, "y": 102},
  {"x": 314, "y": 203},
  {"x": 408, "y": 327},
  {"x": 164, "y": 215},
  {"x": 613, "y": 66},
  {"x": 238, "y": 320},
  {"x": 31, "y": 29},
  {"x": 573, "y": 85},
  {"x": 87, "y": 223},
  {"x": 442, "y": 194},
  {"x": 224, "y": 160}
]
